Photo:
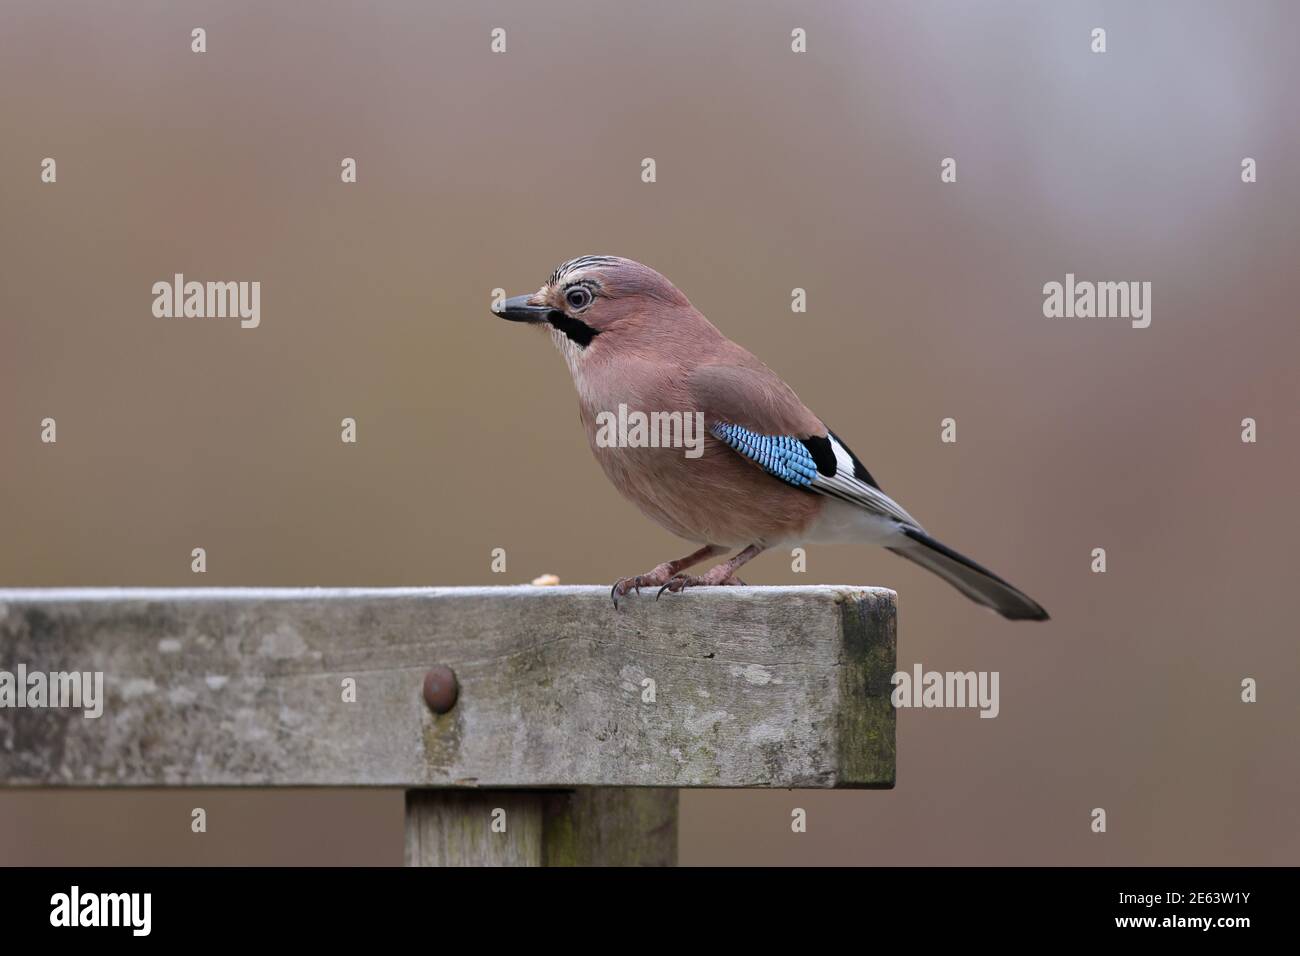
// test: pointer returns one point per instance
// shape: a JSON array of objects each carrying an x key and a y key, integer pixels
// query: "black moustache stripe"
[{"x": 574, "y": 329}]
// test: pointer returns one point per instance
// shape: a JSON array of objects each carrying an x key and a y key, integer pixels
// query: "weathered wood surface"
[
  {"x": 596, "y": 826},
  {"x": 754, "y": 687}
]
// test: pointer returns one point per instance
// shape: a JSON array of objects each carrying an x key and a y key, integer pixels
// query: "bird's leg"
[
  {"x": 723, "y": 574},
  {"x": 662, "y": 573}
]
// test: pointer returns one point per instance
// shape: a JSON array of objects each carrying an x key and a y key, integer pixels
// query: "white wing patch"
[{"x": 848, "y": 488}]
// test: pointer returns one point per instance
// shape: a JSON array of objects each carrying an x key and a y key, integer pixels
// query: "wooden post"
[
  {"x": 599, "y": 826},
  {"x": 577, "y": 721}
]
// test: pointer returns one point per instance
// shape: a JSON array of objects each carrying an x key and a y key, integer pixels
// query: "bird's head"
[{"x": 594, "y": 296}]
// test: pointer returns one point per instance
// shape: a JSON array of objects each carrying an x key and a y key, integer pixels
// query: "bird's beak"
[{"x": 522, "y": 308}]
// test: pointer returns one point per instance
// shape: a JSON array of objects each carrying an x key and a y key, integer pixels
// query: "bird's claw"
[
  {"x": 623, "y": 585},
  {"x": 661, "y": 578},
  {"x": 679, "y": 582}
]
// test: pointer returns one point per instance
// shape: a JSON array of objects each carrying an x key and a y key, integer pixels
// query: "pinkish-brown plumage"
[{"x": 631, "y": 338}]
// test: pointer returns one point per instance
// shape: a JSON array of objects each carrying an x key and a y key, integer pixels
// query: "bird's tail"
[{"x": 979, "y": 584}]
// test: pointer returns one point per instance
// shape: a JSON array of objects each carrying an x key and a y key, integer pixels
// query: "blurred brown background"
[{"x": 775, "y": 170}]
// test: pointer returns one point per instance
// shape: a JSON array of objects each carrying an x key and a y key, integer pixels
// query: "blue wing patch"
[
  {"x": 796, "y": 462},
  {"x": 779, "y": 455}
]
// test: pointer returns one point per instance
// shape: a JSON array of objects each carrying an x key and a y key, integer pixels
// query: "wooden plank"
[
  {"x": 753, "y": 687},
  {"x": 598, "y": 826}
]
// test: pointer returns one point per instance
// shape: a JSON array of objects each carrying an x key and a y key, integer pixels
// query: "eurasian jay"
[{"x": 770, "y": 473}]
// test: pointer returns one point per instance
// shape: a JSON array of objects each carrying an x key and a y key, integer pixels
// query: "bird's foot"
[
  {"x": 662, "y": 574},
  {"x": 651, "y": 579},
  {"x": 680, "y": 582}
]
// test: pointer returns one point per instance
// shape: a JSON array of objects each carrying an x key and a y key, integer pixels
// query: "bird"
[{"x": 767, "y": 473}]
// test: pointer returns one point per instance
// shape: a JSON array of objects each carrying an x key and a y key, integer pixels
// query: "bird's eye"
[{"x": 579, "y": 297}]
